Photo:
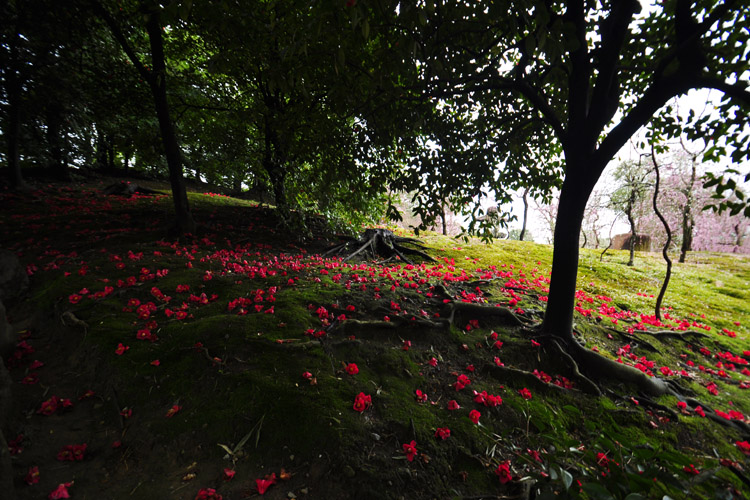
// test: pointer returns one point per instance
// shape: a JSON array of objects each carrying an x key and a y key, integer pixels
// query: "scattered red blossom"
[
  {"x": 474, "y": 416},
  {"x": 442, "y": 433},
  {"x": 525, "y": 393},
  {"x": 362, "y": 402},
  {"x": 32, "y": 477},
  {"x": 207, "y": 494},
  {"x": 691, "y": 470},
  {"x": 503, "y": 472},
  {"x": 60, "y": 492},
  {"x": 172, "y": 411},
  {"x": 410, "y": 449},
  {"x": 264, "y": 484},
  {"x": 72, "y": 453}
]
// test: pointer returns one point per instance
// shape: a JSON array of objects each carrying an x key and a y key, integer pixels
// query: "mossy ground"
[{"x": 269, "y": 383}]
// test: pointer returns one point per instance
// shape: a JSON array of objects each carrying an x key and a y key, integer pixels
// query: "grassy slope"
[{"x": 238, "y": 379}]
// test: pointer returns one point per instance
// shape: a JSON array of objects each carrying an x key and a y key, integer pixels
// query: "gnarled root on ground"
[
  {"x": 742, "y": 427},
  {"x": 395, "y": 325},
  {"x": 670, "y": 333},
  {"x": 598, "y": 367},
  {"x": 519, "y": 377},
  {"x": 379, "y": 243},
  {"x": 463, "y": 311}
]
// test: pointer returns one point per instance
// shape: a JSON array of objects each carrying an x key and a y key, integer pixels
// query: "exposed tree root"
[
  {"x": 741, "y": 427},
  {"x": 520, "y": 377},
  {"x": 588, "y": 386},
  {"x": 656, "y": 406},
  {"x": 406, "y": 328},
  {"x": 670, "y": 333},
  {"x": 375, "y": 243},
  {"x": 304, "y": 345},
  {"x": 630, "y": 338},
  {"x": 124, "y": 188},
  {"x": 442, "y": 290},
  {"x": 598, "y": 367},
  {"x": 740, "y": 475},
  {"x": 467, "y": 311}
]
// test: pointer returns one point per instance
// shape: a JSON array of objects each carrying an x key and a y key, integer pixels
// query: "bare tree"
[{"x": 548, "y": 212}]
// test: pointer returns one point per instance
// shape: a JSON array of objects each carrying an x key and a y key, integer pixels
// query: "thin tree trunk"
[
  {"x": 279, "y": 192},
  {"x": 101, "y": 149},
  {"x": 739, "y": 237},
  {"x": 273, "y": 165},
  {"x": 609, "y": 245},
  {"x": 525, "y": 213},
  {"x": 688, "y": 222},
  {"x": 59, "y": 165},
  {"x": 664, "y": 251},
  {"x": 13, "y": 91},
  {"x": 445, "y": 225},
  {"x": 111, "y": 155},
  {"x": 126, "y": 156},
  {"x": 158, "y": 83},
  {"x": 631, "y": 221}
]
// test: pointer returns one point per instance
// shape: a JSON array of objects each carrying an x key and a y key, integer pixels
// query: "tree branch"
[
  {"x": 606, "y": 92},
  {"x": 700, "y": 30},
  {"x": 578, "y": 82},
  {"x": 732, "y": 90},
  {"x": 661, "y": 91},
  {"x": 536, "y": 98},
  {"x": 123, "y": 41}
]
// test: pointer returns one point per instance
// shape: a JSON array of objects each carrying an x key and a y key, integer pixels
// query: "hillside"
[{"x": 240, "y": 363}]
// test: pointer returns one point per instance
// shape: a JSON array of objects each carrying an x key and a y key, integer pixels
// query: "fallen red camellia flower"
[
  {"x": 443, "y": 433},
  {"x": 264, "y": 484},
  {"x": 61, "y": 491},
  {"x": 172, "y": 411},
  {"x": 410, "y": 449},
  {"x": 207, "y": 494},
  {"x": 503, "y": 472},
  {"x": 32, "y": 477},
  {"x": 474, "y": 416},
  {"x": 362, "y": 402}
]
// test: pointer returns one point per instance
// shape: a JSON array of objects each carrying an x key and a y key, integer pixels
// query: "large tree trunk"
[
  {"x": 158, "y": 83},
  {"x": 273, "y": 162},
  {"x": 277, "y": 181},
  {"x": 558, "y": 317}
]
